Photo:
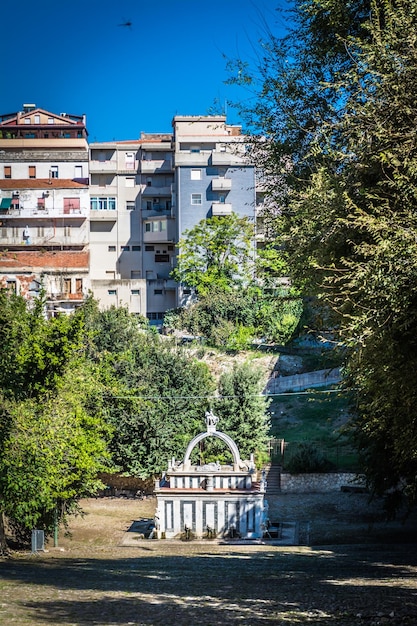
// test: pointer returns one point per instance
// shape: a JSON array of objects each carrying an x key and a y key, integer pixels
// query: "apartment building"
[
  {"x": 132, "y": 238},
  {"x": 107, "y": 217},
  {"x": 212, "y": 174},
  {"x": 44, "y": 205}
]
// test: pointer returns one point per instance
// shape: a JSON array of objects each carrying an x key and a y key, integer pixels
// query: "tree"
[
  {"x": 217, "y": 252},
  {"x": 52, "y": 432},
  {"x": 52, "y": 453},
  {"x": 346, "y": 117},
  {"x": 155, "y": 395},
  {"x": 243, "y": 410}
]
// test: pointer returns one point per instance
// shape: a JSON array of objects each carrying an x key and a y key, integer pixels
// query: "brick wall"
[{"x": 27, "y": 260}]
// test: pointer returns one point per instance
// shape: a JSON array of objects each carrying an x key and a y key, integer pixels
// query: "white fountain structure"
[{"x": 212, "y": 500}]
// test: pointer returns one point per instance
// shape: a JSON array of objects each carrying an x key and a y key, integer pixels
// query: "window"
[
  {"x": 103, "y": 203},
  {"x": 50, "y": 120},
  {"x": 149, "y": 248},
  {"x": 155, "y": 316},
  {"x": 112, "y": 292},
  {"x": 130, "y": 205},
  {"x": 37, "y": 119},
  {"x": 148, "y": 205},
  {"x": 135, "y": 274},
  {"x": 196, "y": 198},
  {"x": 156, "y": 226},
  {"x": 11, "y": 286},
  {"x": 135, "y": 248},
  {"x": 125, "y": 248},
  {"x": 66, "y": 287},
  {"x": 130, "y": 161},
  {"x": 78, "y": 171},
  {"x": 27, "y": 120},
  {"x": 7, "y": 171},
  {"x": 158, "y": 292},
  {"x": 195, "y": 174},
  {"x": 32, "y": 171},
  {"x": 78, "y": 285},
  {"x": 71, "y": 205},
  {"x": 54, "y": 171},
  {"x": 41, "y": 231},
  {"x": 41, "y": 203},
  {"x": 112, "y": 248},
  {"x": 135, "y": 292},
  {"x": 161, "y": 258},
  {"x": 195, "y": 149}
]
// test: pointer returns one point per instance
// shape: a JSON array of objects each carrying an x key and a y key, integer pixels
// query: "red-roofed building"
[{"x": 44, "y": 206}]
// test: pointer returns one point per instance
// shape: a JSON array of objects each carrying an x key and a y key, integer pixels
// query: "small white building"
[{"x": 213, "y": 500}]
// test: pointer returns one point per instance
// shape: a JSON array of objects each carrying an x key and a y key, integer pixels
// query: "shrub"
[{"x": 308, "y": 459}]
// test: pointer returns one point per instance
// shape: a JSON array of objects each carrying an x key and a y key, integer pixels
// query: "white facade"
[
  {"x": 44, "y": 206},
  {"x": 213, "y": 500}
]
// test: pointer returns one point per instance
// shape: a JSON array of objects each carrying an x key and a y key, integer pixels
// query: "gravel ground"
[{"x": 366, "y": 578}]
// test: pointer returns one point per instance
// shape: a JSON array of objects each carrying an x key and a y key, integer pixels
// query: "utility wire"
[{"x": 224, "y": 397}]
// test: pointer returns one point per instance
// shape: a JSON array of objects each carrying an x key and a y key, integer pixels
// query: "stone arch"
[{"x": 228, "y": 440}]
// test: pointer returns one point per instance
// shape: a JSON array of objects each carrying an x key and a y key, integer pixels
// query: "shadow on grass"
[{"x": 340, "y": 586}]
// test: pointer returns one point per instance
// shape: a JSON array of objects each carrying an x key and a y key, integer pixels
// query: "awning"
[{"x": 5, "y": 204}]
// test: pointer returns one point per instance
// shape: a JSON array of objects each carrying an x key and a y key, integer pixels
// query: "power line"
[{"x": 225, "y": 397}]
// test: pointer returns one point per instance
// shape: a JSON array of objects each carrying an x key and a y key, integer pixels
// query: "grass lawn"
[{"x": 318, "y": 417}]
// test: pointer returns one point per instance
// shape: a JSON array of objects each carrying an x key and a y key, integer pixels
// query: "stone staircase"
[{"x": 273, "y": 478}]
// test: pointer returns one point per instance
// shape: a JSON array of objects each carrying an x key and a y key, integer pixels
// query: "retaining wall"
[{"x": 318, "y": 483}]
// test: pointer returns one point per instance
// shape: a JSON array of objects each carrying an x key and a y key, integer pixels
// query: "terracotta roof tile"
[{"x": 40, "y": 183}]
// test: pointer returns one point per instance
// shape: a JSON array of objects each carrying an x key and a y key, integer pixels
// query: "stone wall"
[
  {"x": 318, "y": 483},
  {"x": 298, "y": 382}
]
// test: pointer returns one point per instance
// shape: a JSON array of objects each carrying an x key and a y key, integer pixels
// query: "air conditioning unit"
[{"x": 16, "y": 193}]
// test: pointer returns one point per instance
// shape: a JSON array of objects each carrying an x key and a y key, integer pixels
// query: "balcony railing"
[
  {"x": 221, "y": 184},
  {"x": 152, "y": 166},
  {"x": 221, "y": 208},
  {"x": 38, "y": 212}
]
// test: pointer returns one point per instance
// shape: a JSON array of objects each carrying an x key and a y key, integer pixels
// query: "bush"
[{"x": 308, "y": 459}]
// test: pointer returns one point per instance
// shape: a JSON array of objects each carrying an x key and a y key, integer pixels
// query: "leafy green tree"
[
  {"x": 52, "y": 453},
  {"x": 243, "y": 411},
  {"x": 45, "y": 386},
  {"x": 217, "y": 252},
  {"x": 154, "y": 394},
  {"x": 156, "y": 404},
  {"x": 338, "y": 113}
]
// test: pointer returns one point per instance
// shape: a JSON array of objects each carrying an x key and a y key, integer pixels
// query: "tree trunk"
[{"x": 4, "y": 550}]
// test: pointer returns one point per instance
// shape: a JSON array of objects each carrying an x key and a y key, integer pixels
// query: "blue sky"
[{"x": 74, "y": 57}]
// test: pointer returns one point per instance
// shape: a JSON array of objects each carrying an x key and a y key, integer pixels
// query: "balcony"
[
  {"x": 151, "y": 191},
  {"x": 219, "y": 157},
  {"x": 159, "y": 166},
  {"x": 48, "y": 240},
  {"x": 221, "y": 208},
  {"x": 192, "y": 158},
  {"x": 103, "y": 216},
  {"x": 104, "y": 167},
  {"x": 161, "y": 231},
  {"x": 38, "y": 213},
  {"x": 221, "y": 184}
]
